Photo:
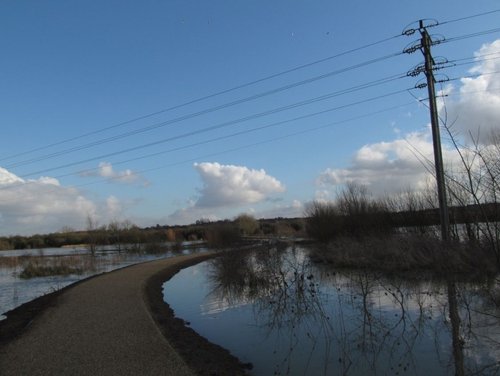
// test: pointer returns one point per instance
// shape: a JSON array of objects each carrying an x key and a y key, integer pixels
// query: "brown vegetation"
[{"x": 401, "y": 233}]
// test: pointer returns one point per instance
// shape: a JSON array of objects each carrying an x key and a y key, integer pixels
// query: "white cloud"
[
  {"x": 390, "y": 167},
  {"x": 227, "y": 191},
  {"x": 105, "y": 170},
  {"x": 387, "y": 167},
  {"x": 228, "y": 185},
  {"x": 8, "y": 178},
  {"x": 477, "y": 108},
  {"x": 43, "y": 205}
]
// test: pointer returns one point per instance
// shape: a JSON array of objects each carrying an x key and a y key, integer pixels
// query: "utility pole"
[{"x": 428, "y": 68}]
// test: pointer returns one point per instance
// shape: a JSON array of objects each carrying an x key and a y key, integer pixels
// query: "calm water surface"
[
  {"x": 15, "y": 291},
  {"x": 288, "y": 316}
]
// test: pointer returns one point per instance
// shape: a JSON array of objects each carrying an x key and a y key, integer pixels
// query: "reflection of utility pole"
[
  {"x": 425, "y": 46},
  {"x": 457, "y": 342}
]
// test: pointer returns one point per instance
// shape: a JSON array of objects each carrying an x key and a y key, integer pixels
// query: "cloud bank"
[
  {"x": 387, "y": 167},
  {"x": 43, "y": 205},
  {"x": 475, "y": 107}
]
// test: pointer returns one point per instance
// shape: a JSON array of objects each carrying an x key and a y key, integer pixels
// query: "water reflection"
[
  {"x": 15, "y": 290},
  {"x": 323, "y": 321}
]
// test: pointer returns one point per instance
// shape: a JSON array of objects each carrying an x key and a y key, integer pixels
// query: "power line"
[
  {"x": 475, "y": 75},
  {"x": 253, "y": 116},
  {"x": 200, "y": 99},
  {"x": 473, "y": 60},
  {"x": 154, "y": 126},
  {"x": 220, "y": 138},
  {"x": 469, "y": 17},
  {"x": 471, "y": 35},
  {"x": 200, "y": 113},
  {"x": 204, "y": 130},
  {"x": 231, "y": 103},
  {"x": 235, "y": 134},
  {"x": 274, "y": 139},
  {"x": 491, "y": 90}
]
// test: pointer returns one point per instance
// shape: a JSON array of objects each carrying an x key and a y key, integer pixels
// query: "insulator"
[
  {"x": 439, "y": 67},
  {"x": 409, "y": 30},
  {"x": 440, "y": 60},
  {"x": 437, "y": 39},
  {"x": 417, "y": 69},
  {"x": 411, "y": 48},
  {"x": 431, "y": 22},
  {"x": 420, "y": 84},
  {"x": 442, "y": 78}
]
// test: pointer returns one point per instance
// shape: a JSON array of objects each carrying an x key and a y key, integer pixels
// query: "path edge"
[{"x": 201, "y": 355}]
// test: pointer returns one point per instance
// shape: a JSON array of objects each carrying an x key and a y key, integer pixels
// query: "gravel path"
[{"x": 102, "y": 326}]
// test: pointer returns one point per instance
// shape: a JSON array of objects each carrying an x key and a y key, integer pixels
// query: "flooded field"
[
  {"x": 288, "y": 316},
  {"x": 74, "y": 264}
]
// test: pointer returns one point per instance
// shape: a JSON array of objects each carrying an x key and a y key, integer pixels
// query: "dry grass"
[
  {"x": 39, "y": 266},
  {"x": 9, "y": 261},
  {"x": 33, "y": 271},
  {"x": 406, "y": 253}
]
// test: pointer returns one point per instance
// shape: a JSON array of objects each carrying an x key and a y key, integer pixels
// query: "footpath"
[{"x": 102, "y": 326}]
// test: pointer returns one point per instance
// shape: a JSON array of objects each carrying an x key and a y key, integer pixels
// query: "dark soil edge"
[{"x": 202, "y": 356}]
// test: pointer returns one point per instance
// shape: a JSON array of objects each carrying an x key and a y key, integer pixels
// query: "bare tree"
[{"x": 476, "y": 188}]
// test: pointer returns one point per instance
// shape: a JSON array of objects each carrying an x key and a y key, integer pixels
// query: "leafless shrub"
[
  {"x": 353, "y": 214},
  {"x": 222, "y": 235},
  {"x": 475, "y": 187}
]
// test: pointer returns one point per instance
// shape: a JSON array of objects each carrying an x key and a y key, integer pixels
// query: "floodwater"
[
  {"x": 15, "y": 291},
  {"x": 288, "y": 316}
]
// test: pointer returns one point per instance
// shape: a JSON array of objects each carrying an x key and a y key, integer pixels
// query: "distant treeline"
[
  {"x": 126, "y": 233},
  {"x": 349, "y": 223}
]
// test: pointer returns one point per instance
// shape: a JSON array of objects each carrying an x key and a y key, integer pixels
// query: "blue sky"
[{"x": 108, "y": 108}]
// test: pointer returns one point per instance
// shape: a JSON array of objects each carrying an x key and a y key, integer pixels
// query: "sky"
[{"x": 166, "y": 112}]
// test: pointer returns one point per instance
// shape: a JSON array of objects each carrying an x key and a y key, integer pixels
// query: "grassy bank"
[{"x": 406, "y": 253}]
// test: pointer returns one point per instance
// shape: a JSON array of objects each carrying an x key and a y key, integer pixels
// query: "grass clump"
[{"x": 33, "y": 270}]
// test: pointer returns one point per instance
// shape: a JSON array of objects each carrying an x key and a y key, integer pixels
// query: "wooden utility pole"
[
  {"x": 428, "y": 69},
  {"x": 426, "y": 43}
]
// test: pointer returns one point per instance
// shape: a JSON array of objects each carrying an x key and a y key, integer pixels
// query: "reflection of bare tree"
[
  {"x": 358, "y": 322},
  {"x": 380, "y": 336},
  {"x": 475, "y": 325},
  {"x": 284, "y": 291}
]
